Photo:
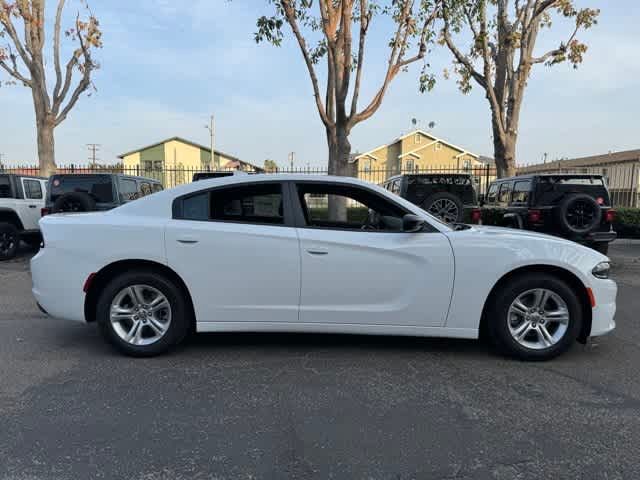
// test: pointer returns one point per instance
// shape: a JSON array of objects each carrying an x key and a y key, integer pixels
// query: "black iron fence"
[{"x": 623, "y": 180}]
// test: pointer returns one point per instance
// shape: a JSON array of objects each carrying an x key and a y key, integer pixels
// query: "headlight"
[{"x": 601, "y": 270}]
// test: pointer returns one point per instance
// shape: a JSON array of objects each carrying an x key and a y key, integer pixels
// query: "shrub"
[{"x": 627, "y": 222}]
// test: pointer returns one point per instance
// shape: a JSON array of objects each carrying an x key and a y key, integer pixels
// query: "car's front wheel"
[
  {"x": 143, "y": 313},
  {"x": 535, "y": 317}
]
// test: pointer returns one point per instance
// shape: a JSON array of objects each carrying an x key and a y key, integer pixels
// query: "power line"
[{"x": 94, "y": 148}]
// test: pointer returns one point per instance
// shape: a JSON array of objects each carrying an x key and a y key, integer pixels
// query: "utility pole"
[
  {"x": 292, "y": 157},
  {"x": 94, "y": 148},
  {"x": 1, "y": 165},
  {"x": 212, "y": 131}
]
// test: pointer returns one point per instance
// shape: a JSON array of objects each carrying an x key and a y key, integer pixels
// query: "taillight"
[
  {"x": 44, "y": 211},
  {"x": 535, "y": 216},
  {"x": 476, "y": 215},
  {"x": 610, "y": 216},
  {"x": 600, "y": 200}
]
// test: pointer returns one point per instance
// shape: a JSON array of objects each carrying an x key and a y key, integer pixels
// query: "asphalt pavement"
[{"x": 248, "y": 406}]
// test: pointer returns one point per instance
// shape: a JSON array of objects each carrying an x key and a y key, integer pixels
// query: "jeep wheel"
[
  {"x": 74, "y": 202},
  {"x": 578, "y": 214},
  {"x": 9, "y": 241},
  {"x": 444, "y": 206}
]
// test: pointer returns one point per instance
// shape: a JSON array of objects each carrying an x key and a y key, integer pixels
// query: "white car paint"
[
  {"x": 245, "y": 277},
  {"x": 28, "y": 209}
]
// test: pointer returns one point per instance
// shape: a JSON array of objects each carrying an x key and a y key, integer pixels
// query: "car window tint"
[
  {"x": 491, "y": 195},
  {"x": 145, "y": 188},
  {"x": 521, "y": 191},
  {"x": 260, "y": 203},
  {"x": 32, "y": 189},
  {"x": 196, "y": 207},
  {"x": 5, "y": 187},
  {"x": 99, "y": 187},
  {"x": 362, "y": 209},
  {"x": 504, "y": 192},
  {"x": 128, "y": 190}
]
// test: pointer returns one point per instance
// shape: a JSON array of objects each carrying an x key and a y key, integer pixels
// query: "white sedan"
[{"x": 305, "y": 253}]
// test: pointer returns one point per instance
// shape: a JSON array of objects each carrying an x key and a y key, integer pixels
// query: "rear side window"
[
  {"x": 521, "y": 192},
  {"x": 261, "y": 203},
  {"x": 99, "y": 187},
  {"x": 5, "y": 187},
  {"x": 128, "y": 190},
  {"x": 156, "y": 187},
  {"x": 145, "y": 189},
  {"x": 504, "y": 192},
  {"x": 32, "y": 189}
]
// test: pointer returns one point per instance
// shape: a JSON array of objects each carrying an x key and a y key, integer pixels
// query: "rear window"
[
  {"x": 573, "y": 181},
  {"x": 441, "y": 180},
  {"x": 100, "y": 187},
  {"x": 5, "y": 187}
]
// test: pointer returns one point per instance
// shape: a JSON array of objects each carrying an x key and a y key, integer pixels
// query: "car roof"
[
  {"x": 531, "y": 176},
  {"x": 105, "y": 174}
]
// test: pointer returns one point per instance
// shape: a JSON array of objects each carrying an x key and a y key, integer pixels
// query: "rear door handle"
[
  {"x": 188, "y": 240},
  {"x": 317, "y": 251},
  {"x": 32, "y": 206}
]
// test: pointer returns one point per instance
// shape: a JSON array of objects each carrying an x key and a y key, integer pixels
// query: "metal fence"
[{"x": 623, "y": 180}]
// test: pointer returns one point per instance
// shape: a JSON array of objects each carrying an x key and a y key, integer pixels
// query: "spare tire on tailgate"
[
  {"x": 578, "y": 214},
  {"x": 445, "y": 206},
  {"x": 74, "y": 202}
]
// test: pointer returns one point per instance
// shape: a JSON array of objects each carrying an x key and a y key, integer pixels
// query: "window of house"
[
  {"x": 417, "y": 139},
  {"x": 365, "y": 211},
  {"x": 409, "y": 165},
  {"x": 438, "y": 146},
  {"x": 32, "y": 189},
  {"x": 466, "y": 164},
  {"x": 504, "y": 193},
  {"x": 521, "y": 192}
]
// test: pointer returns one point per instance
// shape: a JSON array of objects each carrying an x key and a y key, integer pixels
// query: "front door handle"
[
  {"x": 32, "y": 206},
  {"x": 317, "y": 251},
  {"x": 188, "y": 240}
]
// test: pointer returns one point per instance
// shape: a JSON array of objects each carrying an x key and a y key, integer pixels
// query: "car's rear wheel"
[
  {"x": 535, "y": 317},
  {"x": 143, "y": 313},
  {"x": 9, "y": 241}
]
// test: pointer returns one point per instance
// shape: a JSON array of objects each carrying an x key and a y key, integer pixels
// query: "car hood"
[{"x": 521, "y": 238}]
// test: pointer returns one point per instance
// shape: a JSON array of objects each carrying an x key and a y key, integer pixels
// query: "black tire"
[
  {"x": 74, "y": 202},
  {"x": 602, "y": 247},
  {"x": 9, "y": 241},
  {"x": 498, "y": 317},
  {"x": 33, "y": 241},
  {"x": 430, "y": 204},
  {"x": 181, "y": 314},
  {"x": 578, "y": 214}
]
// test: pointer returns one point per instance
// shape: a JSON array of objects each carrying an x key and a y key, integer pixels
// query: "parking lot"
[{"x": 323, "y": 406}]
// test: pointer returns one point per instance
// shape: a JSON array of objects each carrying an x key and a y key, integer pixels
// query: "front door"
[
  {"x": 238, "y": 256},
  {"x": 362, "y": 268},
  {"x": 29, "y": 206}
]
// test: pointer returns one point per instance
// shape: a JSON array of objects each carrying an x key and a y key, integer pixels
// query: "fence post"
[{"x": 486, "y": 180}]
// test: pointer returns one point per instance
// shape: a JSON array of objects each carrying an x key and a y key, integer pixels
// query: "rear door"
[
  {"x": 363, "y": 269},
  {"x": 29, "y": 207},
  {"x": 237, "y": 250}
]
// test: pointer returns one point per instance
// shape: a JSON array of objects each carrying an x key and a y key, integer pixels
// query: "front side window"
[
  {"x": 128, "y": 190},
  {"x": 156, "y": 187},
  {"x": 259, "y": 203},
  {"x": 346, "y": 207},
  {"x": 491, "y": 194},
  {"x": 521, "y": 192},
  {"x": 503, "y": 194},
  {"x": 32, "y": 189},
  {"x": 145, "y": 188}
]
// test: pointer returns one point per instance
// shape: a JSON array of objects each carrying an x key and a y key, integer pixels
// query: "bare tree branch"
[
  {"x": 365, "y": 18},
  {"x": 56, "y": 51}
]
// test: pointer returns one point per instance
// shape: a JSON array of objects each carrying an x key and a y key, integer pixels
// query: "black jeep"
[
  {"x": 450, "y": 197},
  {"x": 95, "y": 191},
  {"x": 576, "y": 207}
]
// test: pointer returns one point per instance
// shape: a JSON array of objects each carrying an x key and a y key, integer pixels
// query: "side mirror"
[{"x": 412, "y": 223}]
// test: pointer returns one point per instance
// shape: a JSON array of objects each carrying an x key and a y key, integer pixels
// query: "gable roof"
[
  {"x": 591, "y": 161},
  {"x": 193, "y": 144},
  {"x": 414, "y": 132}
]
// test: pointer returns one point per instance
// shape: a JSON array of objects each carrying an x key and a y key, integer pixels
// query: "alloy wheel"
[
  {"x": 538, "y": 318},
  {"x": 140, "y": 314},
  {"x": 444, "y": 209},
  {"x": 7, "y": 242}
]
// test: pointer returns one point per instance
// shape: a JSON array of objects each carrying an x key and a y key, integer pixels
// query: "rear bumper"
[{"x": 602, "y": 237}]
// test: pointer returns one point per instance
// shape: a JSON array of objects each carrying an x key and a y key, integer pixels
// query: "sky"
[{"x": 166, "y": 66}]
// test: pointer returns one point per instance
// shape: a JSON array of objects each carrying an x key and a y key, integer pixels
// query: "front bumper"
[{"x": 602, "y": 315}]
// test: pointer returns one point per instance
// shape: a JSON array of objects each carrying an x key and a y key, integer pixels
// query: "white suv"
[{"x": 21, "y": 201}]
